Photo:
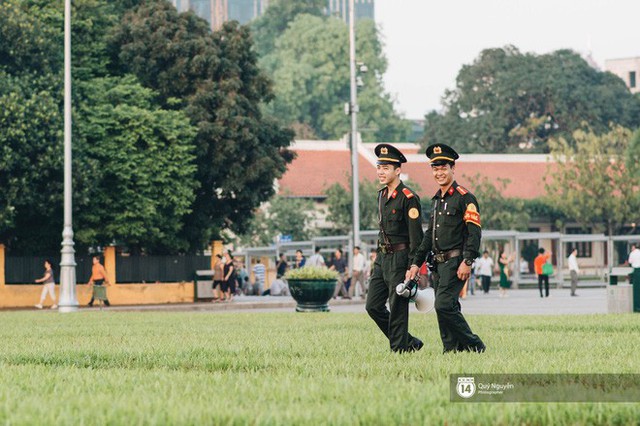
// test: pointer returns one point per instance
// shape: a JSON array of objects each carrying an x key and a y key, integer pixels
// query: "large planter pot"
[{"x": 312, "y": 295}]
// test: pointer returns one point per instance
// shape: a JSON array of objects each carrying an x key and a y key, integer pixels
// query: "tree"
[
  {"x": 590, "y": 182},
  {"x": 496, "y": 211},
  {"x": 340, "y": 201},
  {"x": 215, "y": 78},
  {"x": 507, "y": 101},
  {"x": 280, "y": 13},
  {"x": 30, "y": 163},
  {"x": 136, "y": 168},
  {"x": 310, "y": 68},
  {"x": 283, "y": 215}
]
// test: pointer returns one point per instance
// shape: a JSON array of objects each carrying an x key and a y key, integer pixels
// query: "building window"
[
  {"x": 632, "y": 79},
  {"x": 584, "y": 247}
]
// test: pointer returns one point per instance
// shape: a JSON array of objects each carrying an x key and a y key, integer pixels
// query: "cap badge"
[
  {"x": 384, "y": 150},
  {"x": 437, "y": 150}
]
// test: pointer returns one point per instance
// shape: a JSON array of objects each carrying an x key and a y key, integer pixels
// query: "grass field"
[{"x": 287, "y": 368}]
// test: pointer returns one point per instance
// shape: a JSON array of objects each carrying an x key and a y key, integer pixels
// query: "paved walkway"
[{"x": 518, "y": 302}]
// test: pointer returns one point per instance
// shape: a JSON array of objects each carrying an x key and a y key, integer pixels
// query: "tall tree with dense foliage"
[
  {"x": 282, "y": 215},
  {"x": 215, "y": 78},
  {"x": 507, "y": 101},
  {"x": 497, "y": 211},
  {"x": 590, "y": 182},
  {"x": 310, "y": 69},
  {"x": 136, "y": 171},
  {"x": 275, "y": 20}
]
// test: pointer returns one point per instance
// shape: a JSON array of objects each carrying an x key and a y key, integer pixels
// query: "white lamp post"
[{"x": 68, "y": 301}]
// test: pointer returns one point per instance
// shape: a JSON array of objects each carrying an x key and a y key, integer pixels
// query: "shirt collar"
[{"x": 450, "y": 191}]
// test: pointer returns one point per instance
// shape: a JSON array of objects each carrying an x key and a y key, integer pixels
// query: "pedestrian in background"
[
  {"x": 98, "y": 278},
  {"x": 229, "y": 280},
  {"x": 634, "y": 262},
  {"x": 485, "y": 269},
  {"x": 259, "y": 275},
  {"x": 281, "y": 266},
  {"x": 300, "y": 260},
  {"x": 574, "y": 269},
  {"x": 49, "y": 285},
  {"x": 359, "y": 264},
  {"x": 218, "y": 276},
  {"x": 316, "y": 260},
  {"x": 503, "y": 264},
  {"x": 339, "y": 264},
  {"x": 543, "y": 278}
]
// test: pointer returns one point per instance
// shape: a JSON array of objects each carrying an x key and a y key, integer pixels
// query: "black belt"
[
  {"x": 392, "y": 248},
  {"x": 446, "y": 255}
]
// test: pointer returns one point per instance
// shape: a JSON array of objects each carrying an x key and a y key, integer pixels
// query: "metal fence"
[
  {"x": 26, "y": 269},
  {"x": 141, "y": 269},
  {"x": 129, "y": 269}
]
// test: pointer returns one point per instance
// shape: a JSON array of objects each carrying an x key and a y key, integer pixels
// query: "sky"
[{"x": 428, "y": 41}]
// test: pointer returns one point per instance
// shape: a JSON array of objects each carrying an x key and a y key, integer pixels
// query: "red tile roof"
[{"x": 320, "y": 164}]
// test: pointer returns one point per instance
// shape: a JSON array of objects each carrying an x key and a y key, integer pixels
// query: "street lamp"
[
  {"x": 68, "y": 301},
  {"x": 353, "y": 110}
]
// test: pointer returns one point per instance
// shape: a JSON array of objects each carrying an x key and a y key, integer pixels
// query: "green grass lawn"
[{"x": 287, "y": 368}]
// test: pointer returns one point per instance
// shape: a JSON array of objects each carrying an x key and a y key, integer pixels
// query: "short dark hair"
[
  {"x": 357, "y": 247},
  {"x": 541, "y": 250},
  {"x": 317, "y": 250},
  {"x": 49, "y": 262},
  {"x": 485, "y": 252},
  {"x": 299, "y": 251}
]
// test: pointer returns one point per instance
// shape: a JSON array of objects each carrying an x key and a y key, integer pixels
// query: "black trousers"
[
  {"x": 388, "y": 271},
  {"x": 543, "y": 278},
  {"x": 455, "y": 333},
  {"x": 486, "y": 283}
]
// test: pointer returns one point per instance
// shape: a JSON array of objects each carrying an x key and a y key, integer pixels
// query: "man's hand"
[
  {"x": 411, "y": 273},
  {"x": 464, "y": 271}
]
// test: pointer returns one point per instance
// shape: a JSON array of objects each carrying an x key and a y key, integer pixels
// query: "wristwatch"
[{"x": 468, "y": 262}]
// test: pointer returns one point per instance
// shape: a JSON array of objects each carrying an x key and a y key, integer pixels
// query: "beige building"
[{"x": 628, "y": 69}]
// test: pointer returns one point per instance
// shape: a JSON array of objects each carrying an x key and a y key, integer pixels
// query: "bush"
[{"x": 311, "y": 273}]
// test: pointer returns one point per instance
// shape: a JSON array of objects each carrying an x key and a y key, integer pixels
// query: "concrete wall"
[{"x": 19, "y": 296}]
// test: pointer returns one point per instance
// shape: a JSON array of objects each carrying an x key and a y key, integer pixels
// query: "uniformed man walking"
[
  {"x": 453, "y": 235},
  {"x": 399, "y": 217}
]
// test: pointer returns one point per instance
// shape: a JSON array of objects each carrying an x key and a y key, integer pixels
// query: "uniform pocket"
[{"x": 452, "y": 217}]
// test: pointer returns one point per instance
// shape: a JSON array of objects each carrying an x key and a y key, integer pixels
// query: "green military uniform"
[
  {"x": 400, "y": 217},
  {"x": 453, "y": 234}
]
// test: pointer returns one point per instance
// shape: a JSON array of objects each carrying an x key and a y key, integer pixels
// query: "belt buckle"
[{"x": 440, "y": 257}]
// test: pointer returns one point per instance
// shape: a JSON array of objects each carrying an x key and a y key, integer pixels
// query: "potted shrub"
[{"x": 312, "y": 287}]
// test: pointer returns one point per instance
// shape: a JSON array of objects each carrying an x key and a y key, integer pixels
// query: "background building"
[
  {"x": 216, "y": 12},
  {"x": 628, "y": 69}
]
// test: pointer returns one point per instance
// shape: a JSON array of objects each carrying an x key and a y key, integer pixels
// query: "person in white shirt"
[
  {"x": 634, "y": 257},
  {"x": 573, "y": 270},
  {"x": 485, "y": 270},
  {"x": 316, "y": 260},
  {"x": 359, "y": 264},
  {"x": 524, "y": 266},
  {"x": 634, "y": 262}
]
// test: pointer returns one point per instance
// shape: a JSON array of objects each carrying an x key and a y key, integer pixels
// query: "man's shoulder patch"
[
  {"x": 462, "y": 190},
  {"x": 407, "y": 192}
]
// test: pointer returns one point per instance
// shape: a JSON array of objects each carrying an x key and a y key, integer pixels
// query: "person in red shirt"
[{"x": 540, "y": 260}]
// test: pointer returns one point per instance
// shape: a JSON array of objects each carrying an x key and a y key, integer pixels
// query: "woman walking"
[
  {"x": 503, "y": 264},
  {"x": 229, "y": 283},
  {"x": 49, "y": 285}
]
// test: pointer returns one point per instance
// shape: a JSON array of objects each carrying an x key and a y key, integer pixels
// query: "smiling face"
[
  {"x": 443, "y": 174},
  {"x": 387, "y": 173}
]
